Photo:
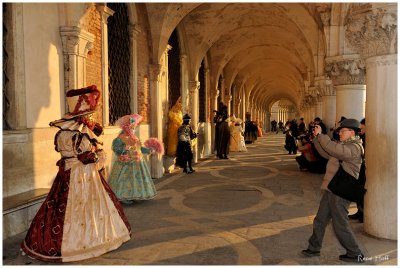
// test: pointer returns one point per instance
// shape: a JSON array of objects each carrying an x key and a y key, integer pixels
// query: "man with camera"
[{"x": 345, "y": 157}]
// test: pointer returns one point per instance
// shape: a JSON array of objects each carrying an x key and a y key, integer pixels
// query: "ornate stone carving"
[
  {"x": 346, "y": 71},
  {"x": 76, "y": 41},
  {"x": 194, "y": 87},
  {"x": 326, "y": 18},
  {"x": 154, "y": 72},
  {"x": 372, "y": 29},
  {"x": 182, "y": 59},
  {"x": 76, "y": 44},
  {"x": 105, "y": 12}
]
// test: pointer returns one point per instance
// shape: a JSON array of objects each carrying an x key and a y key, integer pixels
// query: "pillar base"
[
  {"x": 169, "y": 164},
  {"x": 157, "y": 169}
]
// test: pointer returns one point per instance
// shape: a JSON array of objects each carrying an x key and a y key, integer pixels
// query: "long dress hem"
[{"x": 95, "y": 252}]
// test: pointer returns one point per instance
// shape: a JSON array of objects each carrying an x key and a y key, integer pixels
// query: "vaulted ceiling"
[{"x": 273, "y": 47}]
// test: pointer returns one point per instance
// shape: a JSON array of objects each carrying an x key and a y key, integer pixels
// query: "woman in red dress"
[{"x": 81, "y": 218}]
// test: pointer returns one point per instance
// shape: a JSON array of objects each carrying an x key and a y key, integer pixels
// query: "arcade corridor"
[{"x": 254, "y": 209}]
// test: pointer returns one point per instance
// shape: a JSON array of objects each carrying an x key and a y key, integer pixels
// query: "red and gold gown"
[{"x": 81, "y": 217}]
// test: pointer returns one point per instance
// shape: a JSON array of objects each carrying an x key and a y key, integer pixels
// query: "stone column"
[
  {"x": 372, "y": 30},
  {"x": 223, "y": 91},
  {"x": 230, "y": 108},
  {"x": 348, "y": 76},
  {"x": 17, "y": 114},
  {"x": 237, "y": 107},
  {"x": 326, "y": 89},
  {"x": 134, "y": 31},
  {"x": 194, "y": 87},
  {"x": 184, "y": 82},
  {"x": 105, "y": 12},
  {"x": 156, "y": 115},
  {"x": 207, "y": 124},
  {"x": 76, "y": 45},
  {"x": 214, "y": 107},
  {"x": 267, "y": 125}
]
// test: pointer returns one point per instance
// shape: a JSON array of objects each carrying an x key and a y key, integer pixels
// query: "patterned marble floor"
[{"x": 255, "y": 208}]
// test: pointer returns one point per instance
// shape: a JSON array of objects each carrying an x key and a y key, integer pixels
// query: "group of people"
[
  {"x": 82, "y": 216},
  {"x": 181, "y": 137},
  {"x": 231, "y": 135},
  {"x": 276, "y": 127}
]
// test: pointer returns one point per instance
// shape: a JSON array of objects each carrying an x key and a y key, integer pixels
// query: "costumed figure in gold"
[{"x": 175, "y": 118}]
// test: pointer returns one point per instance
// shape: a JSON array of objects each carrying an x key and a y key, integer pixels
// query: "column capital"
[
  {"x": 346, "y": 69},
  {"x": 325, "y": 13},
  {"x": 154, "y": 71},
  {"x": 76, "y": 41},
  {"x": 324, "y": 86},
  {"x": 182, "y": 57},
  {"x": 134, "y": 30},
  {"x": 105, "y": 12},
  {"x": 194, "y": 86},
  {"x": 371, "y": 29}
]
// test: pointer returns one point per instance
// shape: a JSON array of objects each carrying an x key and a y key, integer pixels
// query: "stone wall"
[
  {"x": 143, "y": 60},
  {"x": 93, "y": 60}
]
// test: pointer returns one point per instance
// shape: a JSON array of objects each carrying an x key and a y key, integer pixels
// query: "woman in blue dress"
[{"x": 130, "y": 177}]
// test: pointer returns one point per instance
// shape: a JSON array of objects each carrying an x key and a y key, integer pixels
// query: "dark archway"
[{"x": 174, "y": 69}]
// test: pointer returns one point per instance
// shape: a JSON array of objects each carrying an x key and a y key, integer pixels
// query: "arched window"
[
  {"x": 119, "y": 62},
  {"x": 6, "y": 102},
  {"x": 174, "y": 69}
]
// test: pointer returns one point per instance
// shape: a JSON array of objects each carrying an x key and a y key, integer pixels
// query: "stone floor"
[{"x": 256, "y": 208}]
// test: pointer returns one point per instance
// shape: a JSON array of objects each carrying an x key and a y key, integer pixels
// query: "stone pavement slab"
[{"x": 255, "y": 208}]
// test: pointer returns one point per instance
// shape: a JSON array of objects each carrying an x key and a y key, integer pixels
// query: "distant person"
[
  {"x": 281, "y": 127},
  {"x": 273, "y": 125},
  {"x": 259, "y": 128},
  {"x": 184, "y": 153},
  {"x": 307, "y": 158},
  {"x": 237, "y": 139},
  {"x": 302, "y": 127},
  {"x": 174, "y": 122},
  {"x": 318, "y": 121},
  {"x": 222, "y": 132},
  {"x": 250, "y": 132},
  {"x": 290, "y": 141}
]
